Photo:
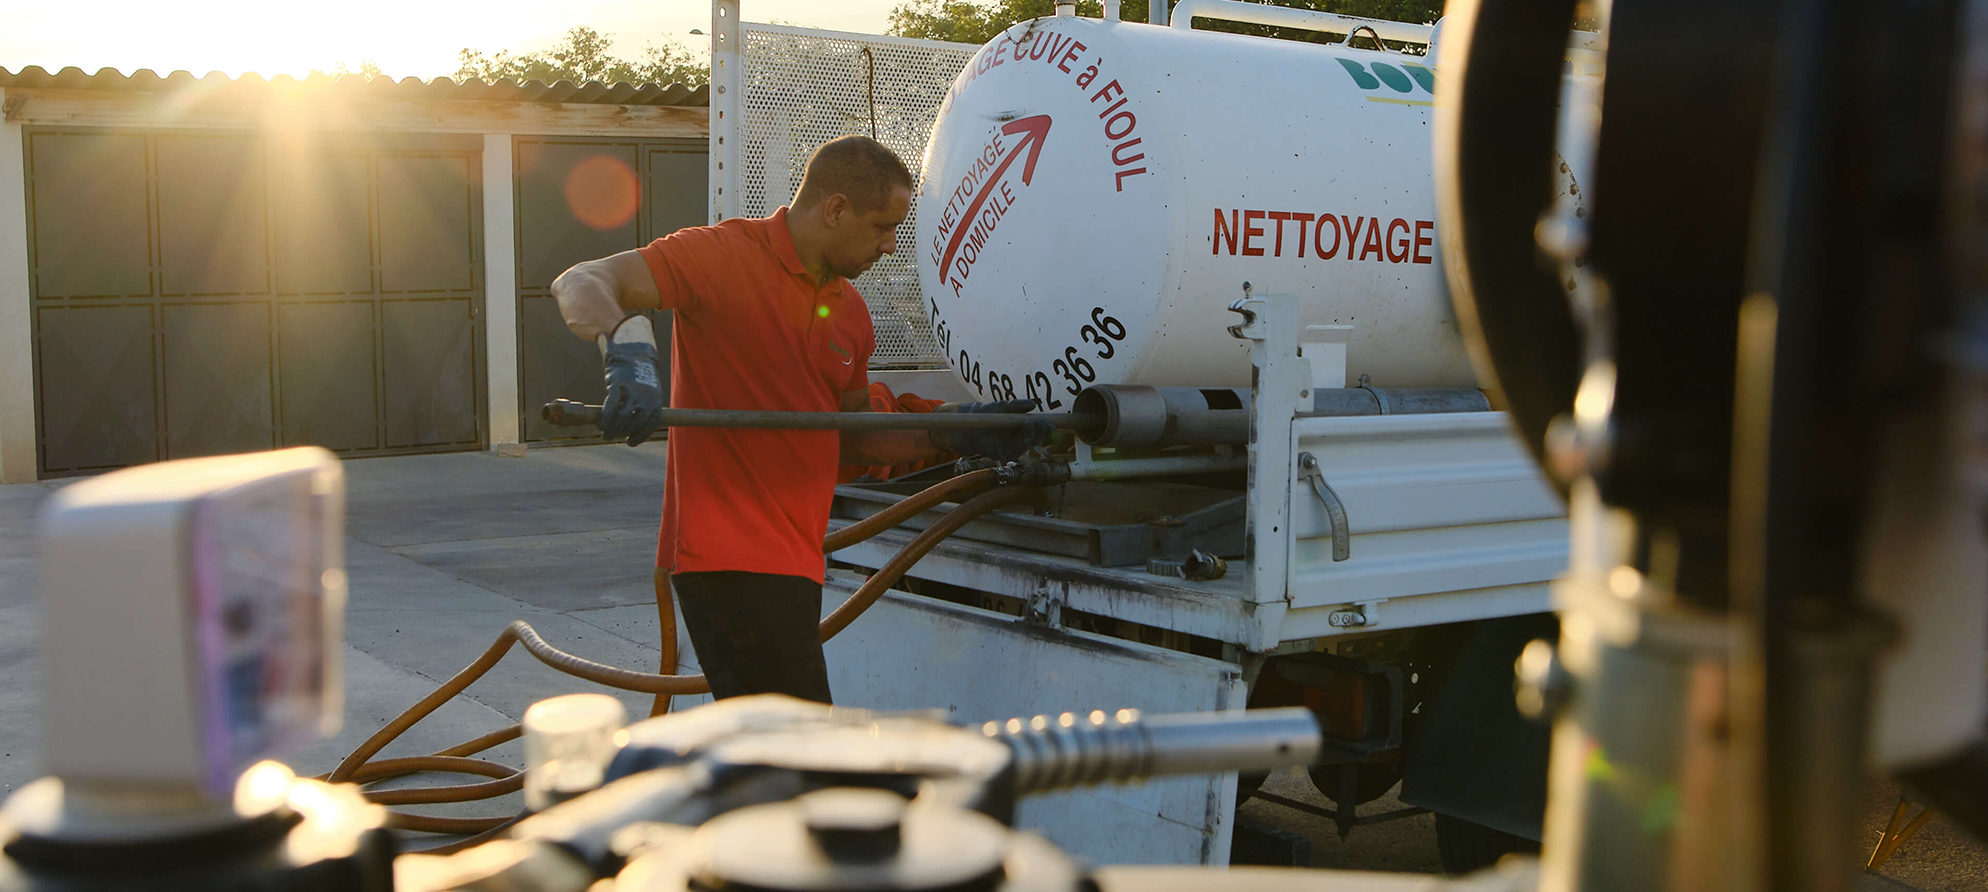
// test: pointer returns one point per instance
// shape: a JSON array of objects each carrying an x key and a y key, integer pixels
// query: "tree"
[
  {"x": 367, "y": 69},
  {"x": 584, "y": 56},
  {"x": 978, "y": 21}
]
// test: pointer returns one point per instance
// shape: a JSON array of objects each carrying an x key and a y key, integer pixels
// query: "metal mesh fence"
[{"x": 801, "y": 88}]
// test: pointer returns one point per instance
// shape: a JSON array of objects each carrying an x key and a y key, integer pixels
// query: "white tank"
[{"x": 1096, "y": 193}]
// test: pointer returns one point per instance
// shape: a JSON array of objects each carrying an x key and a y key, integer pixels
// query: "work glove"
[
  {"x": 1004, "y": 444},
  {"x": 634, "y": 405}
]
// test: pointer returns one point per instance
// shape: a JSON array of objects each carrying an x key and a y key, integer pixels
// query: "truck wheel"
[
  {"x": 1247, "y": 783},
  {"x": 1465, "y": 847},
  {"x": 1374, "y": 782}
]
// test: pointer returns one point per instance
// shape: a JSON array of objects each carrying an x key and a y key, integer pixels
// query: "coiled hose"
[{"x": 357, "y": 769}]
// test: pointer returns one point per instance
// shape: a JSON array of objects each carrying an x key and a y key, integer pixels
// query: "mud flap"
[{"x": 1475, "y": 757}]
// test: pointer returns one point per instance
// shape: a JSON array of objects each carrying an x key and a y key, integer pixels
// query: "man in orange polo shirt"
[{"x": 765, "y": 319}]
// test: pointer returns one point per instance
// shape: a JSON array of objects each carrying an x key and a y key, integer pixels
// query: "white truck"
[{"x": 1226, "y": 245}]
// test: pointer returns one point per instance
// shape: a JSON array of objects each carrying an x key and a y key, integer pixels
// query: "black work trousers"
[{"x": 755, "y": 633}]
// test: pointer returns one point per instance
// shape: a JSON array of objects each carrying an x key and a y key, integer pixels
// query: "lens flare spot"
[
  {"x": 822, "y": 312},
  {"x": 602, "y": 192},
  {"x": 1598, "y": 768}
]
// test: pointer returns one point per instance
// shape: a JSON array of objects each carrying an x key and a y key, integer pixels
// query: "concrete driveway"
[{"x": 444, "y": 550}]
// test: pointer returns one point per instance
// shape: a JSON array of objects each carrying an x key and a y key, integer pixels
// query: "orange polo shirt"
[{"x": 753, "y": 330}]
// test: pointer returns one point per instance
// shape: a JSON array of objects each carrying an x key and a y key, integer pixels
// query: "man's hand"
[
  {"x": 1003, "y": 445},
  {"x": 634, "y": 405}
]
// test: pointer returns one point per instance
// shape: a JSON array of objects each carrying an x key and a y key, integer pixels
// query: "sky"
[{"x": 404, "y": 37}]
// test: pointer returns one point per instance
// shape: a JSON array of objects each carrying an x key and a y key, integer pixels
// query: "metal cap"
[
  {"x": 847, "y": 839},
  {"x": 854, "y": 824},
  {"x": 569, "y": 742}
]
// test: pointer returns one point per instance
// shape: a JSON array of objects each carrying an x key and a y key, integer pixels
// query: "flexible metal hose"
[{"x": 356, "y": 767}]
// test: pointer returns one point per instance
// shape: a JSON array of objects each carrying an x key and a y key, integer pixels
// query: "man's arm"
[
  {"x": 882, "y": 447},
  {"x": 600, "y": 300},
  {"x": 597, "y": 295}
]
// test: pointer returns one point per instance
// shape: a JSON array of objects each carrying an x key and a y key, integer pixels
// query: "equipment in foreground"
[
  {"x": 193, "y": 619},
  {"x": 1772, "y": 449},
  {"x": 773, "y": 793}
]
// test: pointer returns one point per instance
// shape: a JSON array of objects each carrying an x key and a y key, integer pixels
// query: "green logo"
[{"x": 1400, "y": 77}]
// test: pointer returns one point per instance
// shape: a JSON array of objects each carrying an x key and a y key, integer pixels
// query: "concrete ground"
[{"x": 443, "y": 551}]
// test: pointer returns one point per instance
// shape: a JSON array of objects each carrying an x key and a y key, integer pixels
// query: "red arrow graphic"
[{"x": 1034, "y": 130}]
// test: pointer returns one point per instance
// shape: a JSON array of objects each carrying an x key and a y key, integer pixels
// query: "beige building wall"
[{"x": 17, "y": 370}]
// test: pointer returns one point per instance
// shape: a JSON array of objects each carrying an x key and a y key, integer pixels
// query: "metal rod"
[
  {"x": 1193, "y": 743},
  {"x": 1053, "y": 752},
  {"x": 1186, "y": 11},
  {"x": 567, "y": 413},
  {"x": 1167, "y": 466},
  {"x": 870, "y": 62}
]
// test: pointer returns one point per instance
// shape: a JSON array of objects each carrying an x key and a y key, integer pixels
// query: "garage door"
[
  {"x": 579, "y": 199},
  {"x": 205, "y": 293}
]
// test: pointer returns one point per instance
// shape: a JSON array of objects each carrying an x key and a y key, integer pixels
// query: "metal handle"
[
  {"x": 1186, "y": 11},
  {"x": 1335, "y": 510},
  {"x": 1376, "y": 35}
]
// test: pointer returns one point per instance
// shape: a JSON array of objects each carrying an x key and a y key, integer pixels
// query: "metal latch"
[
  {"x": 1348, "y": 619},
  {"x": 1045, "y": 605},
  {"x": 1335, "y": 510}
]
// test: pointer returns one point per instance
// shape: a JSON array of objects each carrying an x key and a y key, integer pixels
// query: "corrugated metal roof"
[{"x": 357, "y": 86}]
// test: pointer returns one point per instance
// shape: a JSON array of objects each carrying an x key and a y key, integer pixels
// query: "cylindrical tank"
[{"x": 1096, "y": 193}]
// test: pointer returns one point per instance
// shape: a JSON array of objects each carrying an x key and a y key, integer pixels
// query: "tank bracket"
[{"x": 1324, "y": 346}]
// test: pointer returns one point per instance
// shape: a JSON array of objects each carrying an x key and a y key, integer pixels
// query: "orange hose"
[
  {"x": 455, "y": 793},
  {"x": 387, "y": 769},
  {"x": 460, "y": 844},
  {"x": 436, "y": 824},
  {"x": 356, "y": 767},
  {"x": 666, "y": 621},
  {"x": 346, "y": 769},
  {"x": 892, "y": 571},
  {"x": 485, "y": 742},
  {"x": 971, "y": 484}
]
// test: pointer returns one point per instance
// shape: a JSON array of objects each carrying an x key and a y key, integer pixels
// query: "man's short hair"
[{"x": 856, "y": 166}]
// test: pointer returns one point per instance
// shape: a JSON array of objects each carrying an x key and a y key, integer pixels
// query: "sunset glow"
[{"x": 405, "y": 38}]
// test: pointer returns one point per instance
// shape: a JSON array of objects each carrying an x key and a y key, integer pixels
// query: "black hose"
[{"x": 567, "y": 413}]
